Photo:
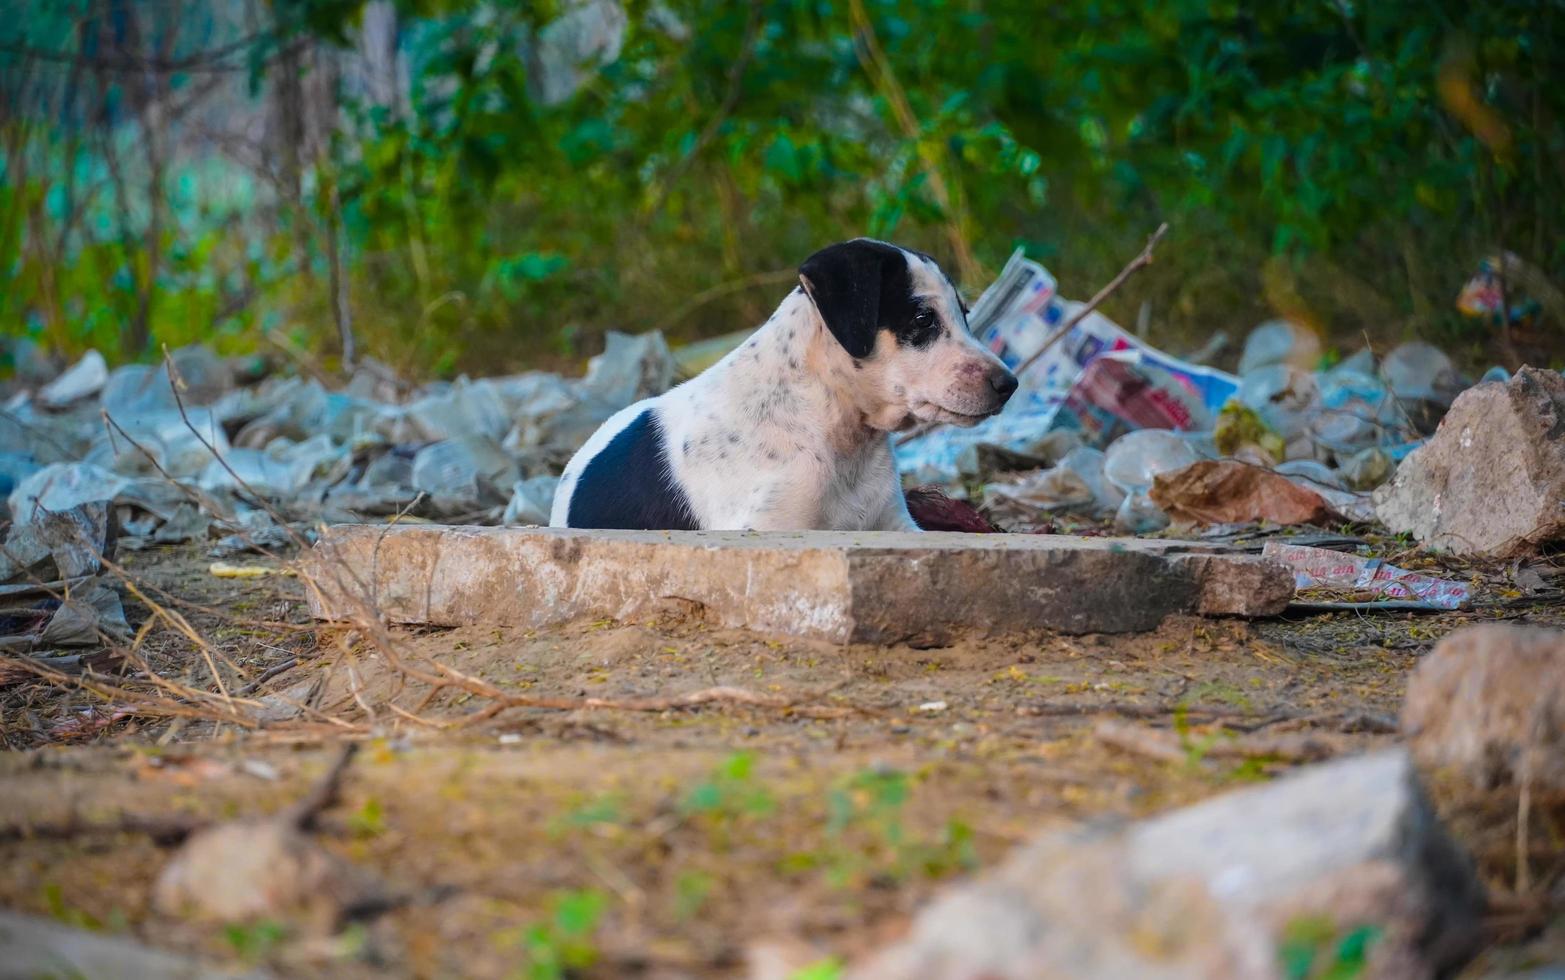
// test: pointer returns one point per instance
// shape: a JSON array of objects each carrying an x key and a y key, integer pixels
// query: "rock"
[
  {"x": 838, "y": 586},
  {"x": 1489, "y": 701},
  {"x": 259, "y": 869},
  {"x": 34, "y": 947},
  {"x": 1342, "y": 855},
  {"x": 1491, "y": 480}
]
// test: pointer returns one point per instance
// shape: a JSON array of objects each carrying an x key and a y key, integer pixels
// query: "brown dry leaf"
[{"x": 1230, "y": 492}]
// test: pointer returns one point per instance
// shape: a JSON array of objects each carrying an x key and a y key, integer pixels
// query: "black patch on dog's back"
[{"x": 629, "y": 485}]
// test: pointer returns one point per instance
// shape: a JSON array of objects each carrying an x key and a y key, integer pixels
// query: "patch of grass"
[
  {"x": 691, "y": 890},
  {"x": 1314, "y": 948},
  {"x": 731, "y": 791},
  {"x": 368, "y": 820},
  {"x": 563, "y": 944},
  {"x": 256, "y": 940},
  {"x": 1223, "y": 693},
  {"x": 1194, "y": 746},
  {"x": 869, "y": 838},
  {"x": 827, "y": 969},
  {"x": 601, "y": 811},
  {"x": 63, "y": 912}
]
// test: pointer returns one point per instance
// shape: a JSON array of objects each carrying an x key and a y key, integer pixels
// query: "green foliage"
[
  {"x": 730, "y": 792},
  {"x": 1314, "y": 948},
  {"x": 76, "y": 918},
  {"x": 254, "y": 941},
  {"x": 368, "y": 820},
  {"x": 827, "y": 969},
  {"x": 562, "y": 944},
  {"x": 867, "y": 835},
  {"x": 1345, "y": 163},
  {"x": 691, "y": 890}
]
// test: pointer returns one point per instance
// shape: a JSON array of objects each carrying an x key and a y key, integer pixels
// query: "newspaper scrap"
[
  {"x": 1136, "y": 387},
  {"x": 1322, "y": 568}
]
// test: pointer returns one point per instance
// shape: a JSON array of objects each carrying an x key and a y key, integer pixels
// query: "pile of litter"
[
  {"x": 186, "y": 451},
  {"x": 1106, "y": 427}
]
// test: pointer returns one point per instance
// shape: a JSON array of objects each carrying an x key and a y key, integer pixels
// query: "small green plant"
[
  {"x": 564, "y": 942},
  {"x": 868, "y": 836},
  {"x": 1194, "y": 747},
  {"x": 54, "y": 900},
  {"x": 256, "y": 940},
  {"x": 731, "y": 791},
  {"x": 691, "y": 890},
  {"x": 600, "y": 811},
  {"x": 1314, "y": 948},
  {"x": 368, "y": 820},
  {"x": 827, "y": 969}
]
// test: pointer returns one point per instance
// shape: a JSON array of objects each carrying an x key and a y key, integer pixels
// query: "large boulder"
[
  {"x": 1341, "y": 869},
  {"x": 1489, "y": 701},
  {"x": 1491, "y": 481}
]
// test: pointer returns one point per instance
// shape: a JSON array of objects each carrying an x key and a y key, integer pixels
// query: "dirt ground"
[{"x": 802, "y": 818}]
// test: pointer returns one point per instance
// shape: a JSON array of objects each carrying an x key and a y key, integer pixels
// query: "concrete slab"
[{"x": 883, "y": 587}]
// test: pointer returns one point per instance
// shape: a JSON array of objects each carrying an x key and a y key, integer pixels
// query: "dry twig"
[{"x": 1141, "y": 261}]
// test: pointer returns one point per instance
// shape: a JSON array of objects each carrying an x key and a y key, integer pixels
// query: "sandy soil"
[{"x": 669, "y": 842}]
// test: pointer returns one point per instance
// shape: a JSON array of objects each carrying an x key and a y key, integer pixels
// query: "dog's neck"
[{"x": 796, "y": 344}]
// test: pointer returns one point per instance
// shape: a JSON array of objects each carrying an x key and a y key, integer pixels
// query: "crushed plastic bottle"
[
  {"x": 1418, "y": 371},
  {"x": 1136, "y": 458},
  {"x": 531, "y": 501},
  {"x": 1356, "y": 408},
  {"x": 465, "y": 474},
  {"x": 1076, "y": 483},
  {"x": 1132, "y": 463},
  {"x": 82, "y": 380},
  {"x": 1367, "y": 469},
  {"x": 1280, "y": 342}
]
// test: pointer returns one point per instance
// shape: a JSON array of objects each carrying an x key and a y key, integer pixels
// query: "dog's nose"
[{"x": 1003, "y": 382}]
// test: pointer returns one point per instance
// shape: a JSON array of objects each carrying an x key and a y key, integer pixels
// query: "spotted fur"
[{"x": 790, "y": 431}]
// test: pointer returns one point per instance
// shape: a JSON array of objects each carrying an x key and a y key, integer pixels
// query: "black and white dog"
[{"x": 790, "y": 431}]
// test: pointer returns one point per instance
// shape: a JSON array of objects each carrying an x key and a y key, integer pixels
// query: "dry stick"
[
  {"x": 736, "y": 72},
  {"x": 1136, "y": 264},
  {"x": 175, "y": 380},
  {"x": 267, "y": 675},
  {"x": 866, "y": 46},
  {"x": 140, "y": 704},
  {"x": 168, "y": 831},
  {"x": 180, "y": 691},
  {"x": 448, "y": 676},
  {"x": 197, "y": 497},
  {"x": 1524, "y": 803},
  {"x": 323, "y": 794},
  {"x": 163, "y": 831}
]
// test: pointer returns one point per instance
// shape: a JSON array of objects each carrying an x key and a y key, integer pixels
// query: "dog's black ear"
[{"x": 845, "y": 283}]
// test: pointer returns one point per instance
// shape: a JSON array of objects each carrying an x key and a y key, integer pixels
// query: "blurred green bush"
[{"x": 1341, "y": 162}]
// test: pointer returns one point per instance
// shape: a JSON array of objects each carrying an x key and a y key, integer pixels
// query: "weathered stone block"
[{"x": 839, "y": 586}]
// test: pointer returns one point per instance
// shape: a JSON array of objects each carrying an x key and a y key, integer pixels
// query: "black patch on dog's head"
[{"x": 863, "y": 287}]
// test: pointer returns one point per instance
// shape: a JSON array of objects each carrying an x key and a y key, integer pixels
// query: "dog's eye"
[{"x": 923, "y": 329}]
